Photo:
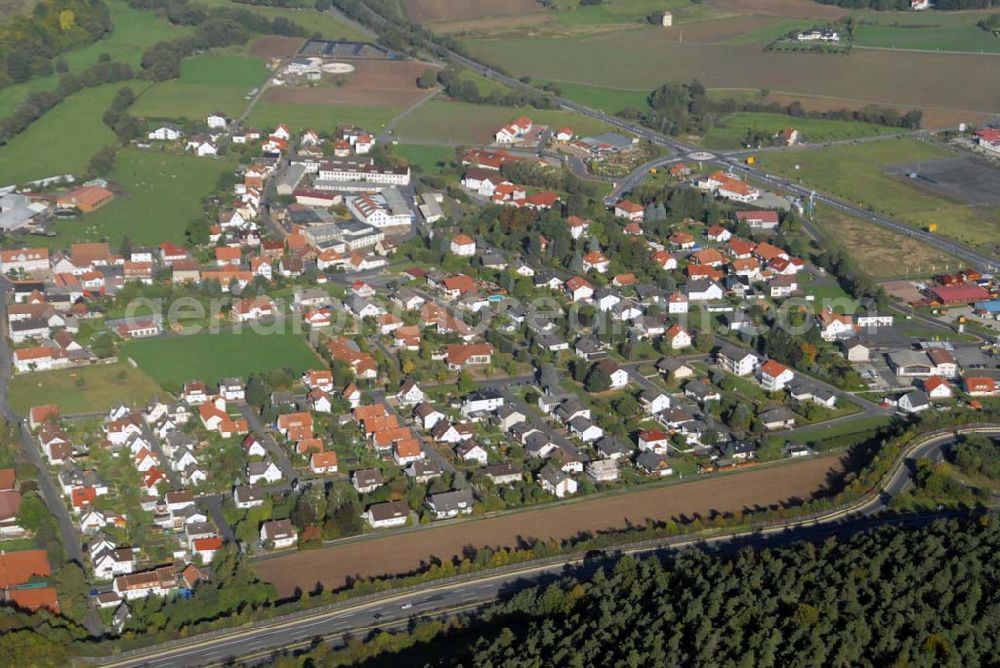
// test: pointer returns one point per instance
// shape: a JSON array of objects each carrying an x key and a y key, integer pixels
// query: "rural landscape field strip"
[{"x": 402, "y": 553}]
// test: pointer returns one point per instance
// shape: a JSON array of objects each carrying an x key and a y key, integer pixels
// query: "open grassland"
[
  {"x": 160, "y": 195},
  {"x": 644, "y": 58},
  {"x": 858, "y": 174},
  {"x": 320, "y": 117},
  {"x": 134, "y": 31},
  {"x": 207, "y": 84},
  {"x": 324, "y": 23},
  {"x": 62, "y": 141},
  {"x": 84, "y": 389},
  {"x": 394, "y": 553},
  {"x": 209, "y": 357},
  {"x": 454, "y": 123},
  {"x": 733, "y": 128},
  {"x": 880, "y": 252}
]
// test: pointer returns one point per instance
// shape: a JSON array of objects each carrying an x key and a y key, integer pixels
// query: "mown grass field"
[
  {"x": 210, "y": 357},
  {"x": 319, "y": 117},
  {"x": 162, "y": 195},
  {"x": 733, "y": 129},
  {"x": 611, "y": 100},
  {"x": 209, "y": 83},
  {"x": 83, "y": 390},
  {"x": 455, "y": 123},
  {"x": 857, "y": 173},
  {"x": 927, "y": 31},
  {"x": 643, "y": 58},
  {"x": 63, "y": 140}
]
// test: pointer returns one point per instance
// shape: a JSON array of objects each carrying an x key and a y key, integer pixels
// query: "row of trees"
[
  {"x": 28, "y": 43},
  {"x": 468, "y": 91},
  {"x": 682, "y": 108}
]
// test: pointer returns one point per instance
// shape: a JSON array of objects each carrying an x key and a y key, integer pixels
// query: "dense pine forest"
[{"x": 885, "y": 597}]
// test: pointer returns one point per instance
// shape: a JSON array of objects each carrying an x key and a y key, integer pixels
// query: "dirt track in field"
[
  {"x": 373, "y": 83},
  {"x": 787, "y": 9},
  {"x": 429, "y": 11},
  {"x": 396, "y": 553},
  {"x": 276, "y": 46}
]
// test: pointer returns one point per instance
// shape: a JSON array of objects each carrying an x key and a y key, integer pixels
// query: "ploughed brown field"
[
  {"x": 275, "y": 46},
  {"x": 397, "y": 553},
  {"x": 373, "y": 83},
  {"x": 430, "y": 11}
]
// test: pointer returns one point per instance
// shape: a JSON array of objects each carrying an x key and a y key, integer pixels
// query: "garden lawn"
[
  {"x": 424, "y": 156},
  {"x": 207, "y": 84},
  {"x": 857, "y": 174},
  {"x": 210, "y": 357},
  {"x": 320, "y": 117},
  {"x": 731, "y": 130},
  {"x": 162, "y": 195},
  {"x": 455, "y": 123},
  {"x": 62, "y": 141},
  {"x": 102, "y": 386}
]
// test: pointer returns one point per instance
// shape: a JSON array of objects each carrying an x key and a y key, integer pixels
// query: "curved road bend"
[{"x": 440, "y": 598}]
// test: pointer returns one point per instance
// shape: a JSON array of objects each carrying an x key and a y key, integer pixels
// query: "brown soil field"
[
  {"x": 405, "y": 552},
  {"x": 373, "y": 83},
  {"x": 431, "y": 11},
  {"x": 787, "y": 9},
  {"x": 276, "y": 46}
]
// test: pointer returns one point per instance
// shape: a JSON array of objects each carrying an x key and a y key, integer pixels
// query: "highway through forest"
[{"x": 396, "y": 609}]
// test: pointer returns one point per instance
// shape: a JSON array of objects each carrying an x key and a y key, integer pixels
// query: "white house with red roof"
[
  {"x": 774, "y": 376},
  {"x": 758, "y": 220},
  {"x": 937, "y": 387},
  {"x": 579, "y": 289},
  {"x": 677, "y": 337},
  {"x": 463, "y": 245},
  {"x": 989, "y": 139},
  {"x": 630, "y": 210},
  {"x": 596, "y": 261}
]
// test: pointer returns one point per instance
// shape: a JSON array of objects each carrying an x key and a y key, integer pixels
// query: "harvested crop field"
[
  {"x": 374, "y": 83},
  {"x": 430, "y": 11},
  {"x": 789, "y": 9},
  {"x": 404, "y": 552},
  {"x": 275, "y": 46}
]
